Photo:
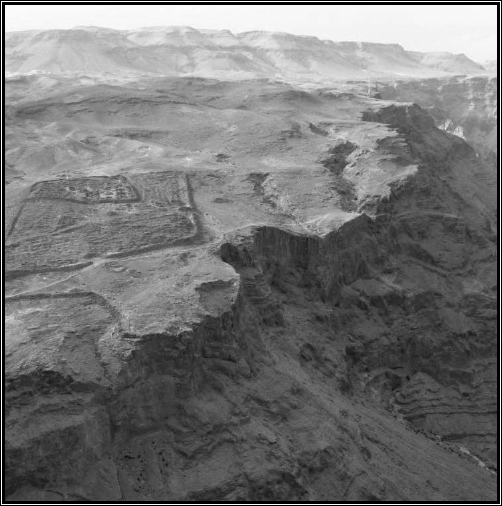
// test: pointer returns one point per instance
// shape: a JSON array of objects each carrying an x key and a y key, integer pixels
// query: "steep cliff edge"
[
  {"x": 281, "y": 396},
  {"x": 270, "y": 362},
  {"x": 464, "y": 106}
]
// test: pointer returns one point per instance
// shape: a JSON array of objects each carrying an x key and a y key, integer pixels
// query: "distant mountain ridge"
[
  {"x": 221, "y": 54},
  {"x": 490, "y": 65}
]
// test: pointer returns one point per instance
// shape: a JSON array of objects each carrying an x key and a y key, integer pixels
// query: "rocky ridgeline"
[
  {"x": 174, "y": 425},
  {"x": 464, "y": 106},
  {"x": 185, "y": 50},
  {"x": 323, "y": 368}
]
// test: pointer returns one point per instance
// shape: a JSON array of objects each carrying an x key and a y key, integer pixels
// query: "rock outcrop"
[
  {"x": 327, "y": 332},
  {"x": 464, "y": 106}
]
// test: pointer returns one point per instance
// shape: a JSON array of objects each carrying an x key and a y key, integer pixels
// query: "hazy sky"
[{"x": 469, "y": 29}]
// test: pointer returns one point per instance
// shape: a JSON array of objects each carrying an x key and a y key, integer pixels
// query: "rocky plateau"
[{"x": 247, "y": 273}]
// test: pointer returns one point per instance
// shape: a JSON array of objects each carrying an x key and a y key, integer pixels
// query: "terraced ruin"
[{"x": 65, "y": 223}]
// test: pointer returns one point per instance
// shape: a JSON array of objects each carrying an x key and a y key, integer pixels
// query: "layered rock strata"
[
  {"x": 464, "y": 106},
  {"x": 274, "y": 363}
]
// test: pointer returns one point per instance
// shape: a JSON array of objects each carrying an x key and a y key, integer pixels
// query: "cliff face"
[
  {"x": 322, "y": 379},
  {"x": 328, "y": 332},
  {"x": 464, "y": 106}
]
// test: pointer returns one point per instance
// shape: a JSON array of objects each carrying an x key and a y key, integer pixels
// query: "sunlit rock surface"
[{"x": 248, "y": 290}]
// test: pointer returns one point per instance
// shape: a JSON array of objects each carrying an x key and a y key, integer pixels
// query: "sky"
[{"x": 456, "y": 28}]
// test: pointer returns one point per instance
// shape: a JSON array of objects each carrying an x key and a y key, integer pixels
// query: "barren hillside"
[
  {"x": 247, "y": 289},
  {"x": 220, "y": 54}
]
